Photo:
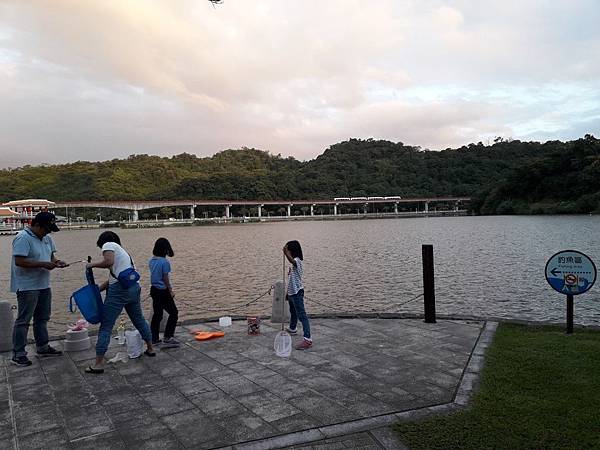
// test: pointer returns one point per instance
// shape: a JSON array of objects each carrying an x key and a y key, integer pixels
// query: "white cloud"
[{"x": 97, "y": 80}]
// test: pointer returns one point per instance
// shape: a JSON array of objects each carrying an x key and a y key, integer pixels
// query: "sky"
[{"x": 101, "y": 79}]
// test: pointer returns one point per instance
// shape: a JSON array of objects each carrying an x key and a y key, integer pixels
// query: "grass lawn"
[{"x": 540, "y": 389}]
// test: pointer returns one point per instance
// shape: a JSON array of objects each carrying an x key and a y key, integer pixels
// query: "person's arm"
[
  {"x": 58, "y": 262},
  {"x": 108, "y": 259},
  {"x": 288, "y": 255},
  {"x": 28, "y": 263},
  {"x": 103, "y": 286}
]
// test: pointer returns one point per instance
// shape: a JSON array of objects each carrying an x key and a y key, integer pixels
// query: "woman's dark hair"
[
  {"x": 162, "y": 247},
  {"x": 295, "y": 249},
  {"x": 108, "y": 236}
]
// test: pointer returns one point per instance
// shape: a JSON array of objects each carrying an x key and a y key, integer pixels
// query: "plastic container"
[
  {"x": 253, "y": 326},
  {"x": 225, "y": 321}
]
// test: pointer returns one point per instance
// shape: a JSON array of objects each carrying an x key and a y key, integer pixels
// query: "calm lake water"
[{"x": 485, "y": 266}]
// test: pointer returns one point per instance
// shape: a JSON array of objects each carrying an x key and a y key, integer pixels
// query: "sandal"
[
  {"x": 91, "y": 369},
  {"x": 149, "y": 353}
]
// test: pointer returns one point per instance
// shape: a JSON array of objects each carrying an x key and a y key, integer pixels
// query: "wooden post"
[{"x": 428, "y": 284}]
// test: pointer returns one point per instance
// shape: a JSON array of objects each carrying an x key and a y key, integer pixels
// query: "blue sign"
[{"x": 570, "y": 272}]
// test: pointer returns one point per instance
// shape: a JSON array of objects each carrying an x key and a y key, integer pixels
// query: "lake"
[{"x": 484, "y": 266}]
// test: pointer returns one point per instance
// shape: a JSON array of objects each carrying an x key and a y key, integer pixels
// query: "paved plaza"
[{"x": 361, "y": 375}]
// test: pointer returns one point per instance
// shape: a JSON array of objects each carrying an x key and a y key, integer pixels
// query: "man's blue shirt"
[{"x": 27, "y": 244}]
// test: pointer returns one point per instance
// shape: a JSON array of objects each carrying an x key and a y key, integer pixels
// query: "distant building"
[
  {"x": 26, "y": 210},
  {"x": 8, "y": 218}
]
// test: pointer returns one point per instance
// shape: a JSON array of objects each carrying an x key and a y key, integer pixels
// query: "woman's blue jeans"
[
  {"x": 297, "y": 313},
  {"x": 117, "y": 298}
]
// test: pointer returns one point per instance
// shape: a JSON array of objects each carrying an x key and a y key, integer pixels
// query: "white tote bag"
[{"x": 135, "y": 344}]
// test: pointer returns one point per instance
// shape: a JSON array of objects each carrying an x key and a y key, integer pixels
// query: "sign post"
[{"x": 571, "y": 273}]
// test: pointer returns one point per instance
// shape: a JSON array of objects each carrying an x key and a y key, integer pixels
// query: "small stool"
[{"x": 77, "y": 341}]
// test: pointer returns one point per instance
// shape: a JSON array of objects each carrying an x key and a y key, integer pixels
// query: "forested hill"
[{"x": 506, "y": 177}]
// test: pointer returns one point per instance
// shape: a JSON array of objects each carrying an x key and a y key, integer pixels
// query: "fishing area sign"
[{"x": 571, "y": 273}]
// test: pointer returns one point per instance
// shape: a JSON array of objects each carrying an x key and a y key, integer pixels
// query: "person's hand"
[
  {"x": 49, "y": 265},
  {"x": 172, "y": 293},
  {"x": 60, "y": 264}
]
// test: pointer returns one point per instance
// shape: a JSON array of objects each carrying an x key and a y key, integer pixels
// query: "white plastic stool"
[{"x": 77, "y": 341}]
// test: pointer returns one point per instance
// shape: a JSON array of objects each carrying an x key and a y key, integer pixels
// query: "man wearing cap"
[{"x": 33, "y": 258}]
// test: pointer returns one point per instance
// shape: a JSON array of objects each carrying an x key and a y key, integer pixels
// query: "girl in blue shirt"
[{"x": 161, "y": 291}]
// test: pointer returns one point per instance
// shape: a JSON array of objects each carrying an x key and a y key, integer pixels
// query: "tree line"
[{"x": 506, "y": 177}]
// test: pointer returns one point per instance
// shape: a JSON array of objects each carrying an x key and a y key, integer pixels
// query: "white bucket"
[{"x": 225, "y": 321}]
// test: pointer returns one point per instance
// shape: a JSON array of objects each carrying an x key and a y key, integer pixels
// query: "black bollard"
[{"x": 428, "y": 284}]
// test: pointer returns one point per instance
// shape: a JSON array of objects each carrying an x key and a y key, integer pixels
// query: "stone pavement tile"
[
  {"x": 322, "y": 408},
  {"x": 284, "y": 387},
  {"x": 196, "y": 430},
  {"x": 247, "y": 426},
  {"x": 54, "y": 438},
  {"x": 144, "y": 436},
  {"x": 25, "y": 376},
  {"x": 167, "y": 401},
  {"x": 399, "y": 399},
  {"x": 322, "y": 384},
  {"x": 341, "y": 358},
  {"x": 217, "y": 404},
  {"x": 267, "y": 406},
  {"x": 32, "y": 395},
  {"x": 131, "y": 418},
  {"x": 35, "y": 418},
  {"x": 7, "y": 443},
  {"x": 441, "y": 379},
  {"x": 235, "y": 384},
  {"x": 312, "y": 358},
  {"x": 252, "y": 370},
  {"x": 86, "y": 421},
  {"x": 193, "y": 384},
  {"x": 297, "y": 422},
  {"x": 6, "y": 425},
  {"x": 169, "y": 368},
  {"x": 146, "y": 382},
  {"x": 105, "y": 441},
  {"x": 131, "y": 367},
  {"x": 225, "y": 356},
  {"x": 362, "y": 405}
]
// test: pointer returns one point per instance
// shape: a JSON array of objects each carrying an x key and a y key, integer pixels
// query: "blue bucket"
[{"x": 88, "y": 301}]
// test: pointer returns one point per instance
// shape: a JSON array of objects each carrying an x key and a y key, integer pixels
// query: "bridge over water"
[{"x": 139, "y": 205}]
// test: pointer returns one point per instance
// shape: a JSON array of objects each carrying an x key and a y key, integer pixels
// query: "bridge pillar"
[
  {"x": 426, "y": 207},
  {"x": 335, "y": 209},
  {"x": 134, "y": 216},
  {"x": 312, "y": 210},
  {"x": 456, "y": 207},
  {"x": 260, "y": 211},
  {"x": 365, "y": 208},
  {"x": 289, "y": 210},
  {"x": 192, "y": 214},
  {"x": 396, "y": 208},
  {"x": 227, "y": 211}
]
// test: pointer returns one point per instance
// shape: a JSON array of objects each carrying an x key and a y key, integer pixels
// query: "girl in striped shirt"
[{"x": 295, "y": 293}]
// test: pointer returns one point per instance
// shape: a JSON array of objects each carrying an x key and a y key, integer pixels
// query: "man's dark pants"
[{"x": 34, "y": 304}]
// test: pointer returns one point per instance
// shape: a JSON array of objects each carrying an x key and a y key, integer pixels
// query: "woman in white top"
[{"x": 118, "y": 296}]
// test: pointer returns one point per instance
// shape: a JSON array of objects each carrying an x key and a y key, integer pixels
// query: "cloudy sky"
[{"x": 102, "y": 79}]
